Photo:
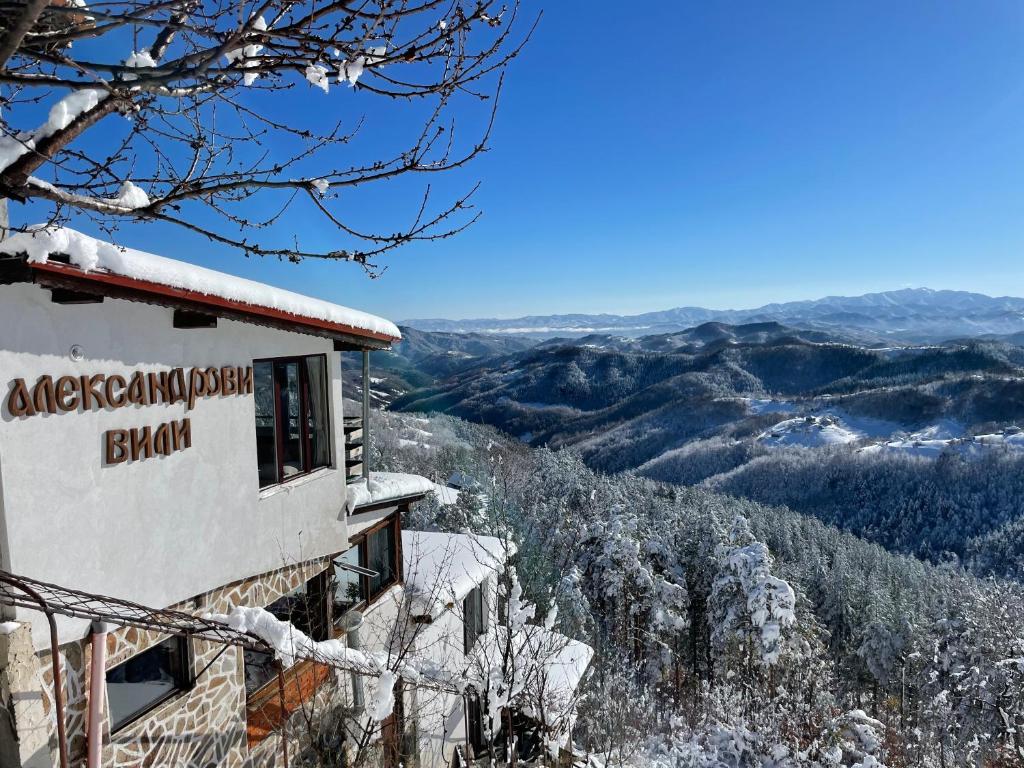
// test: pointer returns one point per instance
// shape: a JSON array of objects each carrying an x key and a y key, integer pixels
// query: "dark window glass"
[
  {"x": 349, "y": 587},
  {"x": 266, "y": 433},
  {"x": 473, "y": 617},
  {"x": 318, "y": 423},
  {"x": 146, "y": 679},
  {"x": 292, "y": 419},
  {"x": 382, "y": 557},
  {"x": 475, "y": 724},
  {"x": 306, "y": 609},
  {"x": 290, "y": 410}
]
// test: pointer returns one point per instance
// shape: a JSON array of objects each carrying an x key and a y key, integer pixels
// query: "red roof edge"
[{"x": 216, "y": 304}]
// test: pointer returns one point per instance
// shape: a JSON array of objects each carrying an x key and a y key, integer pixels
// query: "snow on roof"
[
  {"x": 384, "y": 486},
  {"x": 460, "y": 480},
  {"x": 550, "y": 664},
  {"x": 97, "y": 256},
  {"x": 446, "y": 496},
  {"x": 442, "y": 568}
]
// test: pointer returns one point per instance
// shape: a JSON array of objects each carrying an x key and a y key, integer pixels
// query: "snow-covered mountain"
[{"x": 909, "y": 315}]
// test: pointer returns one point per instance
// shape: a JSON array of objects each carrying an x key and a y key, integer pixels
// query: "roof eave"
[
  {"x": 56, "y": 275},
  {"x": 393, "y": 501}
]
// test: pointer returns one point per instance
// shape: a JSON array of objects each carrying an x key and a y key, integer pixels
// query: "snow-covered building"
[
  {"x": 175, "y": 438},
  {"x": 172, "y": 436},
  {"x": 468, "y": 626}
]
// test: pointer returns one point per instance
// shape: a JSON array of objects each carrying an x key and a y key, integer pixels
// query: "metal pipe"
[
  {"x": 97, "y": 688},
  {"x": 58, "y": 690},
  {"x": 352, "y": 622},
  {"x": 284, "y": 714},
  {"x": 58, "y": 686},
  {"x": 366, "y": 414}
]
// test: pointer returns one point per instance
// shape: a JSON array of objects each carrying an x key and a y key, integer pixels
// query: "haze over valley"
[{"x": 907, "y": 315}]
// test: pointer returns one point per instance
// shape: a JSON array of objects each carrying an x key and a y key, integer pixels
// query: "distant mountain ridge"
[{"x": 914, "y": 315}]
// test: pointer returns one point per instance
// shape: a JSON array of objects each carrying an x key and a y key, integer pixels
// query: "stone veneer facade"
[{"x": 205, "y": 726}]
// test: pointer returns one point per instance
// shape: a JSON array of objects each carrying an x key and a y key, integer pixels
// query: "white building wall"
[
  {"x": 160, "y": 530},
  {"x": 440, "y": 716}
]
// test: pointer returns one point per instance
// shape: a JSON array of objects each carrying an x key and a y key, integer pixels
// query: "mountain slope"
[
  {"x": 422, "y": 358},
  {"x": 623, "y": 402}
]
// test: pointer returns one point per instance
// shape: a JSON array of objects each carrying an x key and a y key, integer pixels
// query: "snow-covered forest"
[
  {"x": 730, "y": 633},
  {"x": 950, "y": 507},
  {"x": 941, "y": 508}
]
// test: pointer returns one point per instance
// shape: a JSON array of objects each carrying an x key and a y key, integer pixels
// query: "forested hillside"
[
  {"x": 914, "y": 448},
  {"x": 729, "y": 632},
  {"x": 623, "y": 402},
  {"x": 950, "y": 507}
]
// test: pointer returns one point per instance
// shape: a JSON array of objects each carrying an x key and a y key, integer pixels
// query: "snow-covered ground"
[
  {"x": 810, "y": 432},
  {"x": 406, "y": 443},
  {"x": 920, "y": 444},
  {"x": 835, "y": 427},
  {"x": 767, "y": 405}
]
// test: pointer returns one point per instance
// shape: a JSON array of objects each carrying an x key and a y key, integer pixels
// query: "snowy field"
[
  {"x": 809, "y": 432},
  {"x": 834, "y": 427}
]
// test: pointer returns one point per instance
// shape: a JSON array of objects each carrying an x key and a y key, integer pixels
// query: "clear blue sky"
[{"x": 717, "y": 154}]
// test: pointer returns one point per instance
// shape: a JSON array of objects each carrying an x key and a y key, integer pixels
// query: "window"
[
  {"x": 307, "y": 609},
  {"x": 292, "y": 423},
  {"x": 475, "y": 732},
  {"x": 382, "y": 557},
  {"x": 147, "y": 679},
  {"x": 349, "y": 585},
  {"x": 473, "y": 614},
  {"x": 378, "y": 555}
]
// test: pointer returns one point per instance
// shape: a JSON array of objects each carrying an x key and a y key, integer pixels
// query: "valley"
[{"x": 914, "y": 446}]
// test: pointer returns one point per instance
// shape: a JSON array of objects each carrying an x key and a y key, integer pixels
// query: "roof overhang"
[
  {"x": 396, "y": 501},
  {"x": 54, "y": 274}
]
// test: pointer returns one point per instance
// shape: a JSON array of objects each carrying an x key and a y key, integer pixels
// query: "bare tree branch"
[{"x": 200, "y": 129}]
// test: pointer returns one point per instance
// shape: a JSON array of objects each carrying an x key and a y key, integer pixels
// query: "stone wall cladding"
[{"x": 201, "y": 727}]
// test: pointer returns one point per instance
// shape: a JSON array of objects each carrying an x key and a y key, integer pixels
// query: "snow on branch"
[
  {"x": 291, "y": 644},
  {"x": 197, "y": 130},
  {"x": 751, "y": 603}
]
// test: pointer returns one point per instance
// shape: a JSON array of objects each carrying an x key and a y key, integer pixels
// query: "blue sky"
[{"x": 715, "y": 154}]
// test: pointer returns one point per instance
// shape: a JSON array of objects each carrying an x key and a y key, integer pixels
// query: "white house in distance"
[{"x": 174, "y": 438}]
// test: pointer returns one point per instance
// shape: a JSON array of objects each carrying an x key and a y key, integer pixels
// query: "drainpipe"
[
  {"x": 58, "y": 689},
  {"x": 97, "y": 687},
  {"x": 58, "y": 683},
  {"x": 351, "y": 623},
  {"x": 366, "y": 414},
  {"x": 284, "y": 712}
]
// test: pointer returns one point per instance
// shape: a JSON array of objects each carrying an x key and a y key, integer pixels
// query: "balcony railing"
[
  {"x": 357, "y": 432},
  {"x": 354, "y": 448}
]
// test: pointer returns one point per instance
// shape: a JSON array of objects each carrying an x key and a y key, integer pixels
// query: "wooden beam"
[
  {"x": 68, "y": 296},
  {"x": 183, "y": 318}
]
